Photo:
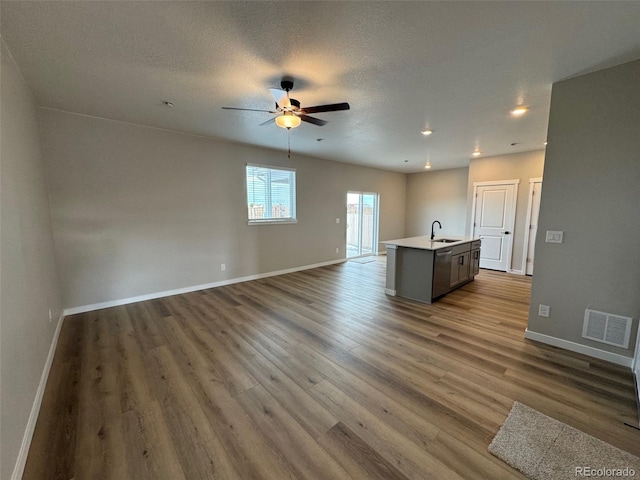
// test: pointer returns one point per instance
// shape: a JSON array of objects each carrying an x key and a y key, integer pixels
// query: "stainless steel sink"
[{"x": 445, "y": 240}]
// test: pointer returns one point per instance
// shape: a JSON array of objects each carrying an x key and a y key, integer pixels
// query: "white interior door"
[
  {"x": 534, "y": 212},
  {"x": 494, "y": 218}
]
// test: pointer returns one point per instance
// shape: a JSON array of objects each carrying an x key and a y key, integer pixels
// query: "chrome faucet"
[{"x": 433, "y": 235}]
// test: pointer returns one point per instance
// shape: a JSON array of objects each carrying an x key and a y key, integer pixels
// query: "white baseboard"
[
  {"x": 390, "y": 292},
  {"x": 21, "y": 462},
  {"x": 194, "y": 288},
  {"x": 516, "y": 272},
  {"x": 579, "y": 348}
]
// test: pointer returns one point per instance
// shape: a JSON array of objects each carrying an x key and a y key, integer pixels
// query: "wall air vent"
[{"x": 607, "y": 328}]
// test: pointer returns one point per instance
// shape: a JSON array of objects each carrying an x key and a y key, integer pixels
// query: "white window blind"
[{"x": 271, "y": 194}]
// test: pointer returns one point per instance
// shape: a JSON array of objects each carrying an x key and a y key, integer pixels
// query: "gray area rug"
[{"x": 545, "y": 449}]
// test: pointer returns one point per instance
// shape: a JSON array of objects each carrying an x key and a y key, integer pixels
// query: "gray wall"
[
  {"x": 138, "y": 210},
  {"x": 28, "y": 285},
  {"x": 520, "y": 166},
  {"x": 591, "y": 191},
  {"x": 438, "y": 195}
]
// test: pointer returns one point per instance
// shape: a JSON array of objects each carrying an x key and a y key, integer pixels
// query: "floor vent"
[{"x": 607, "y": 328}]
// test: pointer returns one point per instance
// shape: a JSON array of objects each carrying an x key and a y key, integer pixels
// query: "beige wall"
[
  {"x": 439, "y": 195},
  {"x": 138, "y": 210},
  {"x": 591, "y": 191},
  {"x": 517, "y": 166},
  {"x": 28, "y": 285}
]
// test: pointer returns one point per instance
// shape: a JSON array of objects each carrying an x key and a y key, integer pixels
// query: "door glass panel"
[
  {"x": 368, "y": 223},
  {"x": 362, "y": 223},
  {"x": 353, "y": 225}
]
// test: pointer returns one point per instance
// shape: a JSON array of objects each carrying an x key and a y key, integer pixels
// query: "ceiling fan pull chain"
[{"x": 289, "y": 136}]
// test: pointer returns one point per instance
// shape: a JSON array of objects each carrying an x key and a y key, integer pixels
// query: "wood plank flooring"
[{"x": 312, "y": 375}]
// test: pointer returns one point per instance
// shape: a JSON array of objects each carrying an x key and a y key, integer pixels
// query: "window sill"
[{"x": 272, "y": 222}]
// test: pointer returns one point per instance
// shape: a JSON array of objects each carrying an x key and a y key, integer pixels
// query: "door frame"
[
  {"x": 527, "y": 223},
  {"x": 635, "y": 367},
  {"x": 375, "y": 226},
  {"x": 515, "y": 183}
]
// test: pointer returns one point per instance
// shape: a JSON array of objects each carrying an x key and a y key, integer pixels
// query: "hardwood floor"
[{"x": 312, "y": 375}]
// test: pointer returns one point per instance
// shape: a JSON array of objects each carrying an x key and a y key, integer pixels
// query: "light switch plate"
[
  {"x": 543, "y": 310},
  {"x": 554, "y": 236}
]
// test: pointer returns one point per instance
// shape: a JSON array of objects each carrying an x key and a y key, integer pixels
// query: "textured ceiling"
[{"x": 456, "y": 67}]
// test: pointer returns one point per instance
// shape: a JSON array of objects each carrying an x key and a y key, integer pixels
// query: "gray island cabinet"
[{"x": 422, "y": 269}]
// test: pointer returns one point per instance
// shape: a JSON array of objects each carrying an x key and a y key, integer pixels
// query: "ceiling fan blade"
[
  {"x": 314, "y": 120},
  {"x": 249, "y": 109},
  {"x": 267, "y": 122},
  {"x": 334, "y": 107},
  {"x": 281, "y": 97}
]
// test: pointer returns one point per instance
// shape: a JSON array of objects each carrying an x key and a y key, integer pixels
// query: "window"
[{"x": 271, "y": 194}]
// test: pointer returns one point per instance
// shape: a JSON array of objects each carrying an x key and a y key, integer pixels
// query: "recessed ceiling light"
[
  {"x": 427, "y": 165},
  {"x": 519, "y": 110},
  {"x": 476, "y": 153},
  {"x": 426, "y": 132}
]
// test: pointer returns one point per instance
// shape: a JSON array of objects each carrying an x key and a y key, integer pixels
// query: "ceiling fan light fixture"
[{"x": 288, "y": 120}]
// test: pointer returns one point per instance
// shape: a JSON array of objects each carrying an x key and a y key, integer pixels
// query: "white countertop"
[{"x": 425, "y": 242}]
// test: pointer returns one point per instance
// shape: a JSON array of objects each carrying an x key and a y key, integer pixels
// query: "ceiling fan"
[{"x": 289, "y": 110}]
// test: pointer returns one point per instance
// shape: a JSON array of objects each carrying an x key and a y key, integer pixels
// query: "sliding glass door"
[{"x": 362, "y": 224}]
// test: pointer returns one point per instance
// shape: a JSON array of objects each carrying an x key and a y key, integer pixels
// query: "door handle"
[{"x": 507, "y": 233}]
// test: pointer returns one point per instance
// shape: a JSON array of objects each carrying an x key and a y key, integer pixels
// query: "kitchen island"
[{"x": 422, "y": 269}]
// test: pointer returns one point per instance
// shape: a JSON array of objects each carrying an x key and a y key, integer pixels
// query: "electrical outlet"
[
  {"x": 554, "y": 236},
  {"x": 543, "y": 310},
  {"x": 337, "y": 220},
  {"x": 223, "y": 267},
  {"x": 337, "y": 250}
]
